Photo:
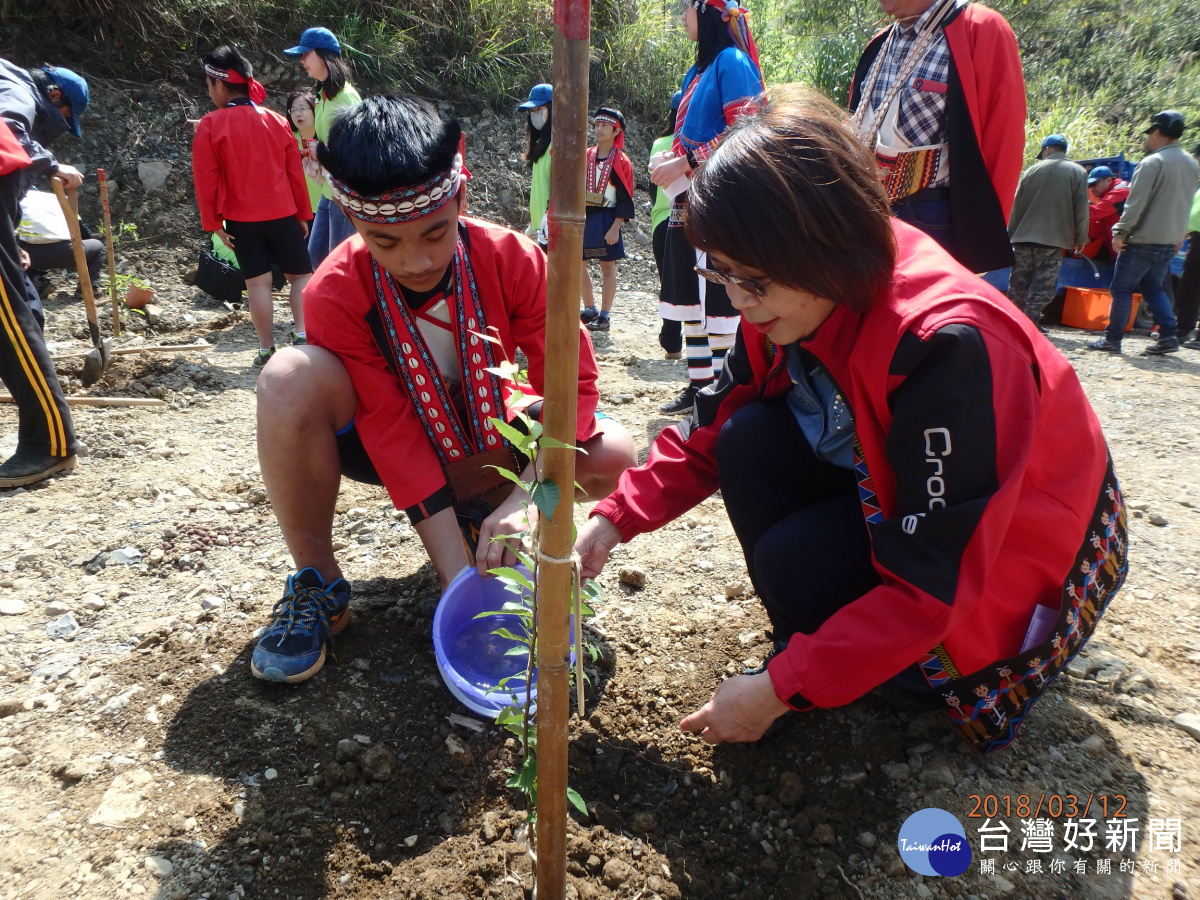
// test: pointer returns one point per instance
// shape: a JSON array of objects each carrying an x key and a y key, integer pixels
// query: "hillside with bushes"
[{"x": 1095, "y": 69}]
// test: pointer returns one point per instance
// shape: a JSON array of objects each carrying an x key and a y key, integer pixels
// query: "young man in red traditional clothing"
[
  {"x": 609, "y": 195},
  {"x": 394, "y": 387}
]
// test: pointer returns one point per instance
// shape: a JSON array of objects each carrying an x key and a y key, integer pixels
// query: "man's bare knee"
[{"x": 306, "y": 383}]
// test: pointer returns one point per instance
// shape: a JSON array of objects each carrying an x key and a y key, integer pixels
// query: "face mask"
[{"x": 538, "y": 118}]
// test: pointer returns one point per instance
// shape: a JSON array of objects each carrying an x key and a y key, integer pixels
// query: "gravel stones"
[
  {"x": 616, "y": 872},
  {"x": 12, "y": 606},
  {"x": 347, "y": 750},
  {"x": 160, "y": 867},
  {"x": 64, "y": 627},
  {"x": 1189, "y": 722},
  {"x": 10, "y": 707},
  {"x": 378, "y": 762},
  {"x": 632, "y": 576},
  {"x": 56, "y": 608}
]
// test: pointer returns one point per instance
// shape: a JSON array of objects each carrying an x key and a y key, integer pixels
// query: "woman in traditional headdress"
[{"x": 716, "y": 91}]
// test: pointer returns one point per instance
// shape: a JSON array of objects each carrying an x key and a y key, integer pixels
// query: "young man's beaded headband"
[{"x": 403, "y": 204}]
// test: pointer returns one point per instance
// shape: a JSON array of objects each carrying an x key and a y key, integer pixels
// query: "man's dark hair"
[
  {"x": 387, "y": 142},
  {"x": 792, "y": 193},
  {"x": 712, "y": 36},
  {"x": 537, "y": 142},
  {"x": 339, "y": 73},
  {"x": 228, "y": 57}
]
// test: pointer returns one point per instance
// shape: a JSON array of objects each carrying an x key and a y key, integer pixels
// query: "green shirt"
[
  {"x": 662, "y": 203},
  {"x": 539, "y": 190},
  {"x": 324, "y": 118},
  {"x": 1194, "y": 220},
  {"x": 314, "y": 189}
]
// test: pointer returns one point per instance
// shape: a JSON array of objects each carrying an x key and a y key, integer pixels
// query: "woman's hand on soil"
[
  {"x": 739, "y": 712},
  {"x": 668, "y": 172},
  {"x": 596, "y": 540},
  {"x": 509, "y": 518}
]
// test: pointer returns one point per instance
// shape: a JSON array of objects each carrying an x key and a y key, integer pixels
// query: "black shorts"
[{"x": 259, "y": 244}]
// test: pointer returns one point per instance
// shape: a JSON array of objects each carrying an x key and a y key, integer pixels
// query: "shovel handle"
[
  {"x": 68, "y": 200},
  {"x": 112, "y": 263}
]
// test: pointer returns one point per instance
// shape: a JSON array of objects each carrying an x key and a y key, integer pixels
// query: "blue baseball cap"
[
  {"x": 315, "y": 39},
  {"x": 1054, "y": 140},
  {"x": 539, "y": 95},
  {"x": 74, "y": 90},
  {"x": 1099, "y": 172},
  {"x": 676, "y": 99}
]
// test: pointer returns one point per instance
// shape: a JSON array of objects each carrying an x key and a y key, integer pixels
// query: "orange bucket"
[{"x": 1088, "y": 309}]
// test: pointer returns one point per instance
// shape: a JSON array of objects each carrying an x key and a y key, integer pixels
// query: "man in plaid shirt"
[{"x": 940, "y": 97}]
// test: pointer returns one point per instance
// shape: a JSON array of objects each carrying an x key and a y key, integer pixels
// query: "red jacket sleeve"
[
  {"x": 988, "y": 62},
  {"x": 206, "y": 176},
  {"x": 973, "y": 392}
]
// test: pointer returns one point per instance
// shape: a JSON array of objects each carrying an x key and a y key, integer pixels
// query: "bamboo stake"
[
  {"x": 565, "y": 220},
  {"x": 152, "y": 348},
  {"x": 112, "y": 263},
  {"x": 102, "y": 401}
]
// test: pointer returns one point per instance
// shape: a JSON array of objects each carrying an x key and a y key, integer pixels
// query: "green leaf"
[
  {"x": 509, "y": 636},
  {"x": 508, "y": 573},
  {"x": 514, "y": 478},
  {"x": 545, "y": 497},
  {"x": 506, "y": 370},
  {"x": 577, "y": 801},
  {"x": 548, "y": 441},
  {"x": 517, "y": 651},
  {"x": 514, "y": 436}
]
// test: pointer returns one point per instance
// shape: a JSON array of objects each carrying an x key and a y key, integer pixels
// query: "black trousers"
[
  {"x": 44, "y": 422},
  {"x": 1187, "y": 295},
  {"x": 670, "y": 336},
  {"x": 59, "y": 255},
  {"x": 801, "y": 527}
]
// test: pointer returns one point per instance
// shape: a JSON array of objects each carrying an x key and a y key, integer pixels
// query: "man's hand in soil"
[
  {"x": 70, "y": 176},
  {"x": 739, "y": 712},
  {"x": 508, "y": 518},
  {"x": 596, "y": 540}
]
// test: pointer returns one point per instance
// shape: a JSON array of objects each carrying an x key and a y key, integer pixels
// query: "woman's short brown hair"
[{"x": 792, "y": 193}]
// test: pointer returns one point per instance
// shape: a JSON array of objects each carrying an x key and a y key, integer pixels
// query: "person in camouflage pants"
[{"x": 1034, "y": 278}]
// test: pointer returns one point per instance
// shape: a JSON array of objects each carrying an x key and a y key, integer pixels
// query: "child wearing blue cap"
[
  {"x": 538, "y": 109},
  {"x": 320, "y": 55}
]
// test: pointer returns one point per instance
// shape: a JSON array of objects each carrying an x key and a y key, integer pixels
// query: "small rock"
[
  {"x": 125, "y": 556},
  {"x": 65, "y": 627},
  {"x": 489, "y": 828},
  {"x": 411, "y": 840},
  {"x": 348, "y": 750},
  {"x": 895, "y": 771},
  {"x": 56, "y": 608},
  {"x": 632, "y": 576},
  {"x": 705, "y": 565},
  {"x": 643, "y": 823},
  {"x": 159, "y": 867},
  {"x": 867, "y": 840},
  {"x": 824, "y": 835},
  {"x": 1189, "y": 722},
  {"x": 361, "y": 664},
  {"x": 377, "y": 763},
  {"x": 10, "y": 707},
  {"x": 12, "y": 606},
  {"x": 733, "y": 591},
  {"x": 446, "y": 823},
  {"x": 791, "y": 789},
  {"x": 270, "y": 774},
  {"x": 1158, "y": 519},
  {"x": 616, "y": 872},
  {"x": 1139, "y": 682},
  {"x": 1094, "y": 745},
  {"x": 211, "y": 604},
  {"x": 153, "y": 173},
  {"x": 153, "y": 314},
  {"x": 93, "y": 602}
]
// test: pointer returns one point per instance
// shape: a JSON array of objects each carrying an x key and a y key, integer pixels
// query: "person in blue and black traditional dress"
[
  {"x": 609, "y": 196},
  {"x": 717, "y": 90}
]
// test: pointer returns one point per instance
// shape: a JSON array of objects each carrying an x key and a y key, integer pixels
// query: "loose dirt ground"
[{"x": 139, "y": 758}]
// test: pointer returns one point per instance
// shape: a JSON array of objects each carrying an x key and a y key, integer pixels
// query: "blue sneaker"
[{"x": 306, "y": 619}]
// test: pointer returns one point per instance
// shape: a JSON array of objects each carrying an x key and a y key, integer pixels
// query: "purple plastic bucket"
[{"x": 470, "y": 658}]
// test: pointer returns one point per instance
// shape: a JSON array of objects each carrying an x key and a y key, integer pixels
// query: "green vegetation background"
[{"x": 1095, "y": 69}]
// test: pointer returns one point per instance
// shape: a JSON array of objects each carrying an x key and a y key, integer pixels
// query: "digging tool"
[
  {"x": 112, "y": 262},
  {"x": 101, "y": 401},
  {"x": 144, "y": 348},
  {"x": 100, "y": 356}
]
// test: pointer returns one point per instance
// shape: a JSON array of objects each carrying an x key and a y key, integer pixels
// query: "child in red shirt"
[{"x": 251, "y": 191}]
